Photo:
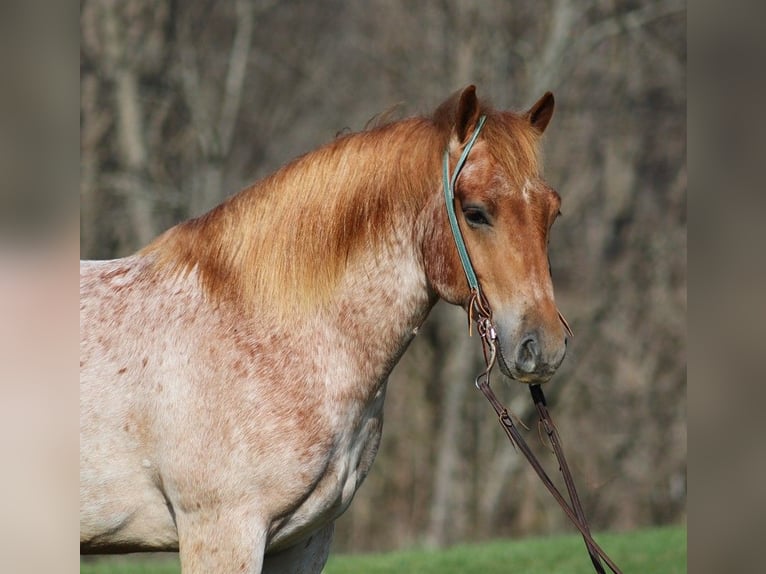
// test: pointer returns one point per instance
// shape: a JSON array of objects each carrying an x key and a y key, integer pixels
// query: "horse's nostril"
[{"x": 528, "y": 354}]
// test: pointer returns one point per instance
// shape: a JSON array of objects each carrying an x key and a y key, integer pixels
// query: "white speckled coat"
[{"x": 233, "y": 372}]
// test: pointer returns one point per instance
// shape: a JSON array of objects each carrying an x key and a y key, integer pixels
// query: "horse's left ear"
[
  {"x": 467, "y": 114},
  {"x": 540, "y": 114}
]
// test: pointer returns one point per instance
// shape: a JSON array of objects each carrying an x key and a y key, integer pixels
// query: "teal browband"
[{"x": 449, "y": 196}]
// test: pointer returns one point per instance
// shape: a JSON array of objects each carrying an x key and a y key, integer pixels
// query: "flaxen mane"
[{"x": 287, "y": 239}]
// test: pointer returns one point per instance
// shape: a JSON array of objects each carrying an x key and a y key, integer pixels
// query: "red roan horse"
[{"x": 232, "y": 372}]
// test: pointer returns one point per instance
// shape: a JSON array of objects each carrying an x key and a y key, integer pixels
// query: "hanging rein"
[{"x": 480, "y": 312}]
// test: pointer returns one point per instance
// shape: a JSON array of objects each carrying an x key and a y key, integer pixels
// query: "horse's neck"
[
  {"x": 382, "y": 294},
  {"x": 378, "y": 306},
  {"x": 355, "y": 276}
]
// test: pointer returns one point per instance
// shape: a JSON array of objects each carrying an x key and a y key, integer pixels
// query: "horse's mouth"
[{"x": 501, "y": 361}]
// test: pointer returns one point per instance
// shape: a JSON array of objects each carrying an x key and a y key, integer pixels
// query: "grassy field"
[{"x": 655, "y": 551}]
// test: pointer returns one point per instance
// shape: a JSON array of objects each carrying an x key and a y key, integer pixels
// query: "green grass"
[{"x": 655, "y": 551}]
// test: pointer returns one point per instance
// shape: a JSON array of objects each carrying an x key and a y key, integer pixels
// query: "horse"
[{"x": 233, "y": 371}]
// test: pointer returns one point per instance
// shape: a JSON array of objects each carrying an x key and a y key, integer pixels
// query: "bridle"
[{"x": 480, "y": 312}]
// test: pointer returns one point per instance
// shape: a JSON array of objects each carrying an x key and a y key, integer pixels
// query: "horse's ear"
[
  {"x": 540, "y": 114},
  {"x": 467, "y": 115}
]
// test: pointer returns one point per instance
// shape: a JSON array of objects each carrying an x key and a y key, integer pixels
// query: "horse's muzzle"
[{"x": 531, "y": 361}]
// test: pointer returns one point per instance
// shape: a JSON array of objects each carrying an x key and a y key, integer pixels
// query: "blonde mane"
[{"x": 286, "y": 240}]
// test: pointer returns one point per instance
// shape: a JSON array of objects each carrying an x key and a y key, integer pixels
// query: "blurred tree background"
[{"x": 184, "y": 103}]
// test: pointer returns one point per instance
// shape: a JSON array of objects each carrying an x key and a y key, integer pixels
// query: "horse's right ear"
[{"x": 467, "y": 115}]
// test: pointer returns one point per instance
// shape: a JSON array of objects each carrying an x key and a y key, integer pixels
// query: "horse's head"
[{"x": 505, "y": 212}]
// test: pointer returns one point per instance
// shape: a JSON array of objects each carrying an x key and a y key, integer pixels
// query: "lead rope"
[
  {"x": 553, "y": 436},
  {"x": 575, "y": 512},
  {"x": 480, "y": 311}
]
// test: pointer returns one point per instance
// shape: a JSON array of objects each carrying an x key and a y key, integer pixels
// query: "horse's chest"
[
  {"x": 361, "y": 452},
  {"x": 346, "y": 467}
]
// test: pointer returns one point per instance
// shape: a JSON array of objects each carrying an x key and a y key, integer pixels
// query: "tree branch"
[
  {"x": 629, "y": 21},
  {"x": 554, "y": 64}
]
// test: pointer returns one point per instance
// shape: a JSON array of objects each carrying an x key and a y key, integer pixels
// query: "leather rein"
[{"x": 480, "y": 312}]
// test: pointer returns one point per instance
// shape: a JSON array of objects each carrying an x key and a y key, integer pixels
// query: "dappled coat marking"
[{"x": 233, "y": 371}]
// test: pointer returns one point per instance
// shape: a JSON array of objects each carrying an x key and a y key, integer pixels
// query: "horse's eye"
[{"x": 476, "y": 216}]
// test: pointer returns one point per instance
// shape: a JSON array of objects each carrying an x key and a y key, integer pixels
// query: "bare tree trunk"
[
  {"x": 547, "y": 67},
  {"x": 449, "y": 513},
  {"x": 130, "y": 130},
  {"x": 215, "y": 127},
  {"x": 94, "y": 124},
  {"x": 133, "y": 153}
]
